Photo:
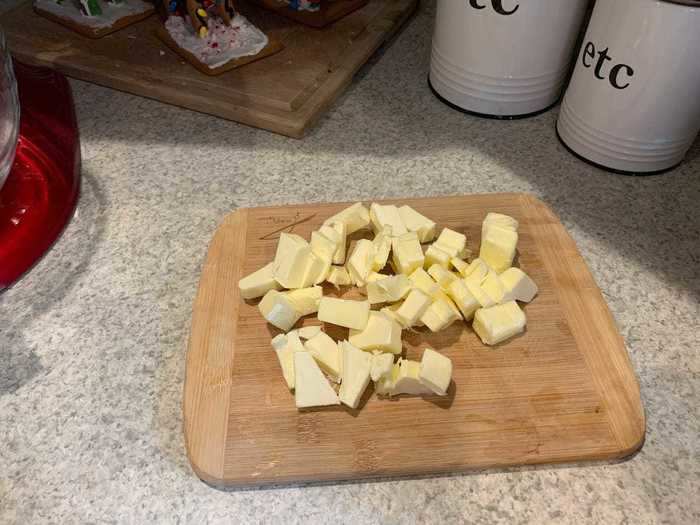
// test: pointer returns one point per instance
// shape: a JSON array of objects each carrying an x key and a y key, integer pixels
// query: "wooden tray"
[
  {"x": 94, "y": 32},
  {"x": 328, "y": 13},
  {"x": 284, "y": 93},
  {"x": 564, "y": 391}
]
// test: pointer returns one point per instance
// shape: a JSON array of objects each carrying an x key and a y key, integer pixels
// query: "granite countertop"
[{"x": 93, "y": 340}]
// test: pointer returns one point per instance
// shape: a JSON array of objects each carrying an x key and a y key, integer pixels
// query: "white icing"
[
  {"x": 111, "y": 13},
  {"x": 303, "y": 5},
  {"x": 222, "y": 44}
]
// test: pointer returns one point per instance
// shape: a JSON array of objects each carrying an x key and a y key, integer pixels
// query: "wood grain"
[
  {"x": 563, "y": 391},
  {"x": 284, "y": 93}
]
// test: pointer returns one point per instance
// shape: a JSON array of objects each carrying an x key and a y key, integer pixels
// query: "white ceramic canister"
[
  {"x": 504, "y": 58},
  {"x": 633, "y": 104}
]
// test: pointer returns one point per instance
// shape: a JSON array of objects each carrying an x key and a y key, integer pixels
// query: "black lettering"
[
  {"x": 498, "y": 7},
  {"x": 588, "y": 51},
  {"x": 475, "y": 4},
  {"x": 615, "y": 72},
  {"x": 601, "y": 62}
]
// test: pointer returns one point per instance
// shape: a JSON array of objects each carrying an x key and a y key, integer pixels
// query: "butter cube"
[
  {"x": 459, "y": 265},
  {"x": 416, "y": 222},
  {"x": 435, "y": 255},
  {"x": 498, "y": 248},
  {"x": 355, "y": 217},
  {"x": 381, "y": 333},
  {"x": 413, "y": 308},
  {"x": 475, "y": 289},
  {"x": 423, "y": 282},
  {"x": 278, "y": 310},
  {"x": 344, "y": 312},
  {"x": 435, "y": 372},
  {"x": 326, "y": 353},
  {"x": 294, "y": 341},
  {"x": 440, "y": 315},
  {"x": 375, "y": 276},
  {"x": 407, "y": 254},
  {"x": 356, "y": 374},
  {"x": 339, "y": 276},
  {"x": 259, "y": 282},
  {"x": 382, "y": 365},
  {"x": 498, "y": 220},
  {"x": 443, "y": 277},
  {"x": 390, "y": 311},
  {"x": 337, "y": 233},
  {"x": 494, "y": 288},
  {"x": 452, "y": 242},
  {"x": 498, "y": 323},
  {"x": 291, "y": 260},
  {"x": 311, "y": 388},
  {"x": 383, "y": 215},
  {"x": 518, "y": 285},
  {"x": 476, "y": 271},
  {"x": 360, "y": 262},
  {"x": 389, "y": 289},
  {"x": 285, "y": 356},
  {"x": 305, "y": 300},
  {"x": 382, "y": 247},
  {"x": 316, "y": 270},
  {"x": 307, "y": 332},
  {"x": 464, "y": 299},
  {"x": 322, "y": 246},
  {"x": 407, "y": 380}
]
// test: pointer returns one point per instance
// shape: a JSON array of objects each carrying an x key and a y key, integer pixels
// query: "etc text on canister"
[
  {"x": 633, "y": 104},
  {"x": 504, "y": 58}
]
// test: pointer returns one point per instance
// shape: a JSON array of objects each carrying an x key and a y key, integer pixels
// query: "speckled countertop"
[{"x": 93, "y": 339}]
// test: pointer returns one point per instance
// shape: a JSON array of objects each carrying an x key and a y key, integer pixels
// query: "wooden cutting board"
[{"x": 564, "y": 391}]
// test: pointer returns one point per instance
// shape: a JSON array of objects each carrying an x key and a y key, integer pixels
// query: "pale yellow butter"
[
  {"x": 291, "y": 260},
  {"x": 389, "y": 289},
  {"x": 476, "y": 271},
  {"x": 519, "y": 285},
  {"x": 336, "y": 232},
  {"x": 494, "y": 288},
  {"x": 344, "y": 312},
  {"x": 411, "y": 310},
  {"x": 382, "y": 364},
  {"x": 311, "y": 388},
  {"x": 407, "y": 254},
  {"x": 498, "y": 323},
  {"x": 418, "y": 223},
  {"x": 355, "y": 217},
  {"x": 339, "y": 276},
  {"x": 406, "y": 380},
  {"x": 382, "y": 248},
  {"x": 356, "y": 374},
  {"x": 307, "y": 332},
  {"x": 285, "y": 356},
  {"x": 259, "y": 282},
  {"x": 435, "y": 255},
  {"x": 381, "y": 333},
  {"x": 464, "y": 299},
  {"x": 475, "y": 289},
  {"x": 326, "y": 353},
  {"x": 440, "y": 314},
  {"x": 423, "y": 282},
  {"x": 383, "y": 215},
  {"x": 500, "y": 221},
  {"x": 390, "y": 311},
  {"x": 278, "y": 310},
  {"x": 453, "y": 243},
  {"x": 359, "y": 263},
  {"x": 305, "y": 300},
  {"x": 498, "y": 248},
  {"x": 443, "y": 277},
  {"x": 435, "y": 371},
  {"x": 323, "y": 247},
  {"x": 459, "y": 265},
  {"x": 316, "y": 270}
]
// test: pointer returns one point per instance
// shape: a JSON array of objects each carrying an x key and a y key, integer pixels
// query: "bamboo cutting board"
[{"x": 563, "y": 391}]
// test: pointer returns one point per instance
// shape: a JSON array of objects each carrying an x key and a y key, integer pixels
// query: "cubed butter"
[
  {"x": 381, "y": 333},
  {"x": 440, "y": 315},
  {"x": 493, "y": 286},
  {"x": 311, "y": 388},
  {"x": 307, "y": 332},
  {"x": 418, "y": 223},
  {"x": 464, "y": 299},
  {"x": 278, "y": 310},
  {"x": 389, "y": 289},
  {"x": 357, "y": 367},
  {"x": 498, "y": 323},
  {"x": 411, "y": 310},
  {"x": 322, "y": 246},
  {"x": 326, "y": 353},
  {"x": 407, "y": 254},
  {"x": 498, "y": 248},
  {"x": 355, "y": 217},
  {"x": 518, "y": 285},
  {"x": 376, "y": 276},
  {"x": 475, "y": 289},
  {"x": 291, "y": 260},
  {"x": 459, "y": 265},
  {"x": 435, "y": 255},
  {"x": 305, "y": 300},
  {"x": 498, "y": 220},
  {"x": 382, "y": 248},
  {"x": 259, "y": 282},
  {"x": 339, "y": 276},
  {"x": 406, "y": 380},
  {"x": 344, "y": 312},
  {"x": 316, "y": 270},
  {"x": 383, "y": 215},
  {"x": 382, "y": 365},
  {"x": 452, "y": 242},
  {"x": 360, "y": 262},
  {"x": 423, "y": 282},
  {"x": 435, "y": 371},
  {"x": 294, "y": 341},
  {"x": 476, "y": 271},
  {"x": 285, "y": 356},
  {"x": 390, "y": 311},
  {"x": 444, "y": 278},
  {"x": 337, "y": 233}
]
